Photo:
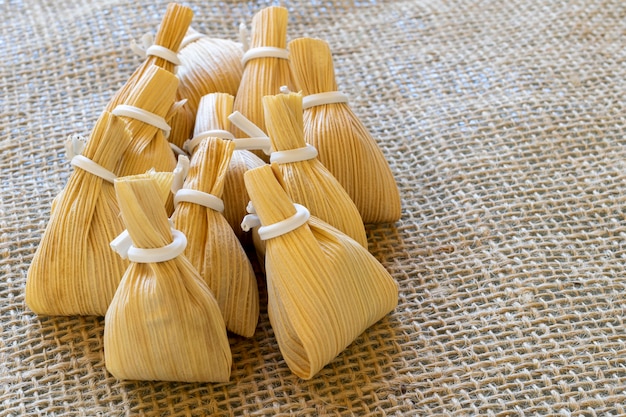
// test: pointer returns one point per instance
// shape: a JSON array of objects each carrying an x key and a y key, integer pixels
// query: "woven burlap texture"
[{"x": 505, "y": 126}]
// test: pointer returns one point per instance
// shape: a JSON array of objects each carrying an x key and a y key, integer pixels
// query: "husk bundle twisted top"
[{"x": 163, "y": 322}]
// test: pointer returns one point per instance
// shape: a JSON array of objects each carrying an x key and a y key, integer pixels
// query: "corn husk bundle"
[
  {"x": 235, "y": 191},
  {"x": 324, "y": 289},
  {"x": 345, "y": 146},
  {"x": 152, "y": 95},
  {"x": 169, "y": 36},
  {"x": 207, "y": 65},
  {"x": 212, "y": 118},
  {"x": 265, "y": 66},
  {"x": 163, "y": 322},
  {"x": 307, "y": 180},
  {"x": 74, "y": 272},
  {"x": 181, "y": 121},
  {"x": 213, "y": 249}
]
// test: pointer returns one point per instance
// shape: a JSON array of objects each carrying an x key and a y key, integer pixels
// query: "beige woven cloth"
[{"x": 505, "y": 126}]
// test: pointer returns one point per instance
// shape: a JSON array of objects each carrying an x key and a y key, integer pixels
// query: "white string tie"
[
  {"x": 246, "y": 125},
  {"x": 330, "y": 97},
  {"x": 90, "y": 166},
  {"x": 294, "y": 155},
  {"x": 178, "y": 105},
  {"x": 251, "y": 144},
  {"x": 146, "y": 41},
  {"x": 74, "y": 146},
  {"x": 199, "y": 197},
  {"x": 280, "y": 228},
  {"x": 144, "y": 116},
  {"x": 180, "y": 173},
  {"x": 190, "y": 38},
  {"x": 148, "y": 48},
  {"x": 123, "y": 245},
  {"x": 177, "y": 151},
  {"x": 190, "y": 144},
  {"x": 258, "y": 138},
  {"x": 243, "y": 36},
  {"x": 264, "y": 52}
]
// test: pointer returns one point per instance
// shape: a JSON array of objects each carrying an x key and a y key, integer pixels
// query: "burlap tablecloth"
[{"x": 504, "y": 124}]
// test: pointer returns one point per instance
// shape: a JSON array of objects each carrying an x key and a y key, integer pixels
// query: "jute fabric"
[{"x": 504, "y": 123}]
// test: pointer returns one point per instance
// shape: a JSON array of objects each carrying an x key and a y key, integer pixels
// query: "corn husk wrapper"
[
  {"x": 344, "y": 144},
  {"x": 309, "y": 182},
  {"x": 263, "y": 76},
  {"x": 324, "y": 288},
  {"x": 212, "y": 247},
  {"x": 181, "y": 121},
  {"x": 208, "y": 65},
  {"x": 213, "y": 113},
  {"x": 163, "y": 322},
  {"x": 74, "y": 272},
  {"x": 170, "y": 34},
  {"x": 235, "y": 191},
  {"x": 149, "y": 149}
]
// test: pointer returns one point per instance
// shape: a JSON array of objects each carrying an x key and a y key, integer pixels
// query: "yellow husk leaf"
[
  {"x": 163, "y": 181},
  {"x": 213, "y": 114},
  {"x": 154, "y": 92},
  {"x": 74, "y": 272},
  {"x": 324, "y": 289},
  {"x": 208, "y": 65},
  {"x": 263, "y": 76},
  {"x": 213, "y": 248},
  {"x": 170, "y": 34},
  {"x": 309, "y": 182},
  {"x": 163, "y": 322},
  {"x": 149, "y": 148},
  {"x": 181, "y": 121},
  {"x": 235, "y": 195},
  {"x": 345, "y": 146}
]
